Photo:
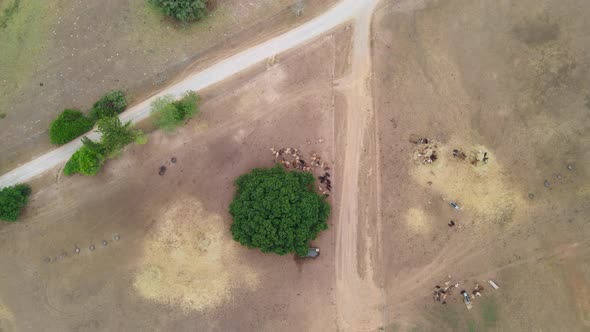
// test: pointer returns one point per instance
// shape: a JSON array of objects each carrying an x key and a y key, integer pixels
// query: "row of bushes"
[
  {"x": 167, "y": 114},
  {"x": 89, "y": 159},
  {"x": 72, "y": 123}
]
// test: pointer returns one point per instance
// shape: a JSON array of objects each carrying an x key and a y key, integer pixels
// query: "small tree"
[
  {"x": 69, "y": 125},
  {"x": 168, "y": 114},
  {"x": 277, "y": 211},
  {"x": 87, "y": 160},
  {"x": 116, "y": 135},
  {"x": 109, "y": 105},
  {"x": 12, "y": 200},
  {"x": 183, "y": 10}
]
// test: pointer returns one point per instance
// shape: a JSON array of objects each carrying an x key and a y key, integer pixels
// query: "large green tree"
[
  {"x": 278, "y": 211},
  {"x": 12, "y": 200}
]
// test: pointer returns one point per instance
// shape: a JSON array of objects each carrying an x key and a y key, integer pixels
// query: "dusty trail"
[
  {"x": 359, "y": 299},
  {"x": 342, "y": 12}
]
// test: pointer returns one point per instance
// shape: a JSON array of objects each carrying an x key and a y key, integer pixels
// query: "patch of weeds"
[
  {"x": 8, "y": 13},
  {"x": 471, "y": 326},
  {"x": 489, "y": 312},
  {"x": 2, "y": 115}
]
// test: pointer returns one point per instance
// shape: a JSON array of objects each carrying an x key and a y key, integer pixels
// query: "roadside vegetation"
[
  {"x": 12, "y": 200},
  {"x": 167, "y": 114},
  {"x": 69, "y": 125},
  {"x": 73, "y": 123},
  {"x": 278, "y": 211},
  {"x": 89, "y": 159},
  {"x": 185, "y": 11}
]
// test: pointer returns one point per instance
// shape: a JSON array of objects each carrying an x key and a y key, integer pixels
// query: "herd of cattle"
[{"x": 291, "y": 158}]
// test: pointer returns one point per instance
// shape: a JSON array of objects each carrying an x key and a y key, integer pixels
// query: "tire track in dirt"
[{"x": 359, "y": 300}]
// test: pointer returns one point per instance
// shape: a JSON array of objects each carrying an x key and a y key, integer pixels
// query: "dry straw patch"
[{"x": 190, "y": 261}]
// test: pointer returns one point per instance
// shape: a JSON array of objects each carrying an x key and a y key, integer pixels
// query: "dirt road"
[
  {"x": 338, "y": 14},
  {"x": 358, "y": 297}
]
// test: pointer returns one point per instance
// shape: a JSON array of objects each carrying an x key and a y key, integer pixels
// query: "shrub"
[
  {"x": 12, "y": 200},
  {"x": 69, "y": 125},
  {"x": 111, "y": 104},
  {"x": 168, "y": 114},
  {"x": 277, "y": 211},
  {"x": 87, "y": 160},
  {"x": 116, "y": 135},
  {"x": 183, "y": 10}
]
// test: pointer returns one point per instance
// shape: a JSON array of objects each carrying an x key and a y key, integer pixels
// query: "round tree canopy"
[{"x": 278, "y": 211}]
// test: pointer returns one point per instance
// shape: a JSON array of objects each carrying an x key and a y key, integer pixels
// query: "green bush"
[
  {"x": 69, "y": 125},
  {"x": 12, "y": 200},
  {"x": 183, "y": 10},
  {"x": 277, "y": 211},
  {"x": 87, "y": 160},
  {"x": 110, "y": 105},
  {"x": 116, "y": 135},
  {"x": 168, "y": 114}
]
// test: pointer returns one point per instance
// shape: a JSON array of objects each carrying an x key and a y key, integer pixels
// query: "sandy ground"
[
  {"x": 512, "y": 79},
  {"x": 66, "y": 54},
  {"x": 174, "y": 265}
]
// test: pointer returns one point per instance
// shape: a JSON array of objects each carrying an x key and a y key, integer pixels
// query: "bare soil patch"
[{"x": 509, "y": 79}]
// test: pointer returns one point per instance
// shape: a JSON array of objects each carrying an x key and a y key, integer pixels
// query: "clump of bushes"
[
  {"x": 89, "y": 159},
  {"x": 73, "y": 123},
  {"x": 12, "y": 200},
  {"x": 278, "y": 211},
  {"x": 111, "y": 104},
  {"x": 185, "y": 11},
  {"x": 168, "y": 114},
  {"x": 69, "y": 125}
]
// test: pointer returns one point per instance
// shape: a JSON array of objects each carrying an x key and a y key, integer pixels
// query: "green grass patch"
[
  {"x": 168, "y": 114},
  {"x": 489, "y": 312},
  {"x": 8, "y": 12},
  {"x": 24, "y": 34}
]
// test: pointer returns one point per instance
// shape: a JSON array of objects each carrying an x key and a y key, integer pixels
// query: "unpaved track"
[
  {"x": 359, "y": 299},
  {"x": 343, "y": 11}
]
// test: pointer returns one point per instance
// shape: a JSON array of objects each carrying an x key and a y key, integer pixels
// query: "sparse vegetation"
[
  {"x": 8, "y": 13},
  {"x": 12, "y": 200},
  {"x": 184, "y": 11},
  {"x": 109, "y": 105},
  {"x": 168, "y": 114},
  {"x": 2, "y": 115},
  {"x": 69, "y": 125},
  {"x": 277, "y": 211}
]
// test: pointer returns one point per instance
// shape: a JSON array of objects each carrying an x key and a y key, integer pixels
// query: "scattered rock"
[
  {"x": 547, "y": 184},
  {"x": 91, "y": 247},
  {"x": 173, "y": 160},
  {"x": 104, "y": 243},
  {"x": 46, "y": 259},
  {"x": 76, "y": 250},
  {"x": 162, "y": 170},
  {"x": 558, "y": 176},
  {"x": 570, "y": 167},
  {"x": 41, "y": 84},
  {"x": 116, "y": 237},
  {"x": 531, "y": 195}
]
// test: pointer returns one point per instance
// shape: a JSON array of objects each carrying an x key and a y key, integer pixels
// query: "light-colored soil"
[
  {"x": 66, "y": 54},
  {"x": 175, "y": 266},
  {"x": 512, "y": 79}
]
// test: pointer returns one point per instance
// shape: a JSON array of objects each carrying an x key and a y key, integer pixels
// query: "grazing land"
[
  {"x": 511, "y": 79},
  {"x": 413, "y": 105},
  {"x": 175, "y": 265}
]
